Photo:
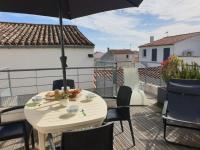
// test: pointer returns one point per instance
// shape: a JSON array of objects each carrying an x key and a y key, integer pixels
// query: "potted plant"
[{"x": 176, "y": 68}]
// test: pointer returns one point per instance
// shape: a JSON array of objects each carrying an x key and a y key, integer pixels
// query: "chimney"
[
  {"x": 151, "y": 39},
  {"x": 108, "y": 49}
]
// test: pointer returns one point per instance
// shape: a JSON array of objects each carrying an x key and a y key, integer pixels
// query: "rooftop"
[
  {"x": 122, "y": 51},
  {"x": 171, "y": 40},
  {"x": 22, "y": 34},
  {"x": 98, "y": 55}
]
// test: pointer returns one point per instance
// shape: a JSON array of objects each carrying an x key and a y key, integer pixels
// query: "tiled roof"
[
  {"x": 21, "y": 34},
  {"x": 122, "y": 51},
  {"x": 152, "y": 72},
  {"x": 171, "y": 40},
  {"x": 98, "y": 55},
  {"x": 108, "y": 75}
]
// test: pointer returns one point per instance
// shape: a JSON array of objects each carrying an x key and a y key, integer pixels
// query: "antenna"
[{"x": 167, "y": 34}]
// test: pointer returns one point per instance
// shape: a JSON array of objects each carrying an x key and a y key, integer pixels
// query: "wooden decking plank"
[{"x": 148, "y": 130}]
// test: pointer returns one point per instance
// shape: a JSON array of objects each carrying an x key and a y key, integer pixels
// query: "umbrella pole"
[{"x": 63, "y": 58}]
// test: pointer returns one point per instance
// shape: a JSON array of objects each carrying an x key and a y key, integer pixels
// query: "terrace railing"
[
  {"x": 21, "y": 84},
  {"x": 150, "y": 73}
]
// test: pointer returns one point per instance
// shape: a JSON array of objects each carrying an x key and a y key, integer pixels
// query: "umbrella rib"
[
  {"x": 69, "y": 15},
  {"x": 133, "y": 3}
]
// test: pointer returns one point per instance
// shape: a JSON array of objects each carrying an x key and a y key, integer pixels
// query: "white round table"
[{"x": 52, "y": 116}]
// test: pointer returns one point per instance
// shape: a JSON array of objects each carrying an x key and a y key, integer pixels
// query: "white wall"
[
  {"x": 25, "y": 58},
  {"x": 160, "y": 50},
  {"x": 123, "y": 57},
  {"x": 31, "y": 58},
  {"x": 192, "y": 44},
  {"x": 189, "y": 60}
]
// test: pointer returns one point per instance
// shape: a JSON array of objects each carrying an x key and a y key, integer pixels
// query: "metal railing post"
[
  {"x": 104, "y": 82},
  {"x": 78, "y": 79},
  {"x": 95, "y": 83},
  {"x": 116, "y": 67},
  {"x": 9, "y": 83},
  {"x": 36, "y": 80}
]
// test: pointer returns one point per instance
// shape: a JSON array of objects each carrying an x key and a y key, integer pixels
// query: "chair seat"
[
  {"x": 11, "y": 131},
  {"x": 114, "y": 114},
  {"x": 182, "y": 122}
]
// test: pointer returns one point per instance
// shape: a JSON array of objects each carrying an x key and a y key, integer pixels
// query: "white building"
[
  {"x": 186, "y": 46},
  {"x": 34, "y": 46},
  {"x": 123, "y": 57}
]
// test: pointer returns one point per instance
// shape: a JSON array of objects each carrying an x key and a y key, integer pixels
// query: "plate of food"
[
  {"x": 54, "y": 95},
  {"x": 72, "y": 93}
]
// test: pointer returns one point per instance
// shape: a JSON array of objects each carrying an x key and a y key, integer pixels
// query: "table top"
[{"x": 52, "y": 116}]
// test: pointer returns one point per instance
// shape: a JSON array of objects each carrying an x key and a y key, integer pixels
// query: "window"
[
  {"x": 144, "y": 53},
  {"x": 154, "y": 54},
  {"x": 166, "y": 53},
  {"x": 127, "y": 56}
]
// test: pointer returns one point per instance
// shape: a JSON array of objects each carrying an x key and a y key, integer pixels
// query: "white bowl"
[
  {"x": 72, "y": 109},
  {"x": 37, "y": 98},
  {"x": 90, "y": 96}
]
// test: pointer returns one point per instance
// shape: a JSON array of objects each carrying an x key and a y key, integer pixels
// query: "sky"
[{"x": 129, "y": 28}]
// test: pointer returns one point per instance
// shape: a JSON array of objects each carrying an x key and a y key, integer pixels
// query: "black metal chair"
[
  {"x": 100, "y": 138},
  {"x": 58, "y": 84},
  {"x": 122, "y": 111},
  {"x": 16, "y": 129},
  {"x": 182, "y": 108}
]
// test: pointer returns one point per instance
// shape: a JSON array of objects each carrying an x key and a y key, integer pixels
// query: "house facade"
[
  {"x": 123, "y": 57},
  {"x": 186, "y": 46},
  {"x": 36, "y": 46}
]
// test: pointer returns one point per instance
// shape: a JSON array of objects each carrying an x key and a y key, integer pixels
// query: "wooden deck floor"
[{"x": 148, "y": 130}]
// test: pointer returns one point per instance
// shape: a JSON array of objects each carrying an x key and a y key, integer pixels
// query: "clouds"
[
  {"x": 113, "y": 23},
  {"x": 133, "y": 26},
  {"x": 177, "y": 28},
  {"x": 177, "y": 10},
  {"x": 116, "y": 26},
  {"x": 127, "y": 26}
]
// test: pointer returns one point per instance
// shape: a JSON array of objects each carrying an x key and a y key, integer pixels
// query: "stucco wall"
[
  {"x": 43, "y": 58},
  {"x": 189, "y": 60},
  {"x": 107, "y": 57},
  {"x": 24, "y": 58},
  {"x": 123, "y": 57},
  {"x": 192, "y": 44},
  {"x": 160, "y": 50}
]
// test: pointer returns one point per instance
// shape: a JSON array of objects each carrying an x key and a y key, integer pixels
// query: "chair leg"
[
  {"x": 26, "y": 143},
  {"x": 32, "y": 140},
  {"x": 165, "y": 129},
  {"x": 132, "y": 134},
  {"x": 175, "y": 143},
  {"x": 122, "y": 126}
]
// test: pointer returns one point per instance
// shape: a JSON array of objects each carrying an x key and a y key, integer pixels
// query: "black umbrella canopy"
[{"x": 70, "y": 8}]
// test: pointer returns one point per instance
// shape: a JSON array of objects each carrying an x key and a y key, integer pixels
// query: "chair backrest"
[
  {"x": 184, "y": 100},
  {"x": 58, "y": 84},
  {"x": 124, "y": 96},
  {"x": 100, "y": 138}
]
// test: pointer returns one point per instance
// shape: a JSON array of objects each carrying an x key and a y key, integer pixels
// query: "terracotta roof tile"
[
  {"x": 21, "y": 34},
  {"x": 108, "y": 75},
  {"x": 122, "y": 51},
  {"x": 171, "y": 40}
]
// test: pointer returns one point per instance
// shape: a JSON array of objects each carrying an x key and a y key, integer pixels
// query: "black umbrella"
[{"x": 68, "y": 9}]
